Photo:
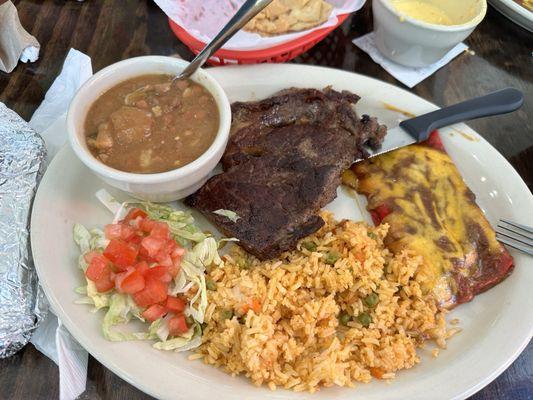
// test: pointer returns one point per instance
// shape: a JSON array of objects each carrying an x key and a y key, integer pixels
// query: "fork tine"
[
  {"x": 512, "y": 235},
  {"x": 519, "y": 226},
  {"x": 516, "y": 231},
  {"x": 514, "y": 245}
]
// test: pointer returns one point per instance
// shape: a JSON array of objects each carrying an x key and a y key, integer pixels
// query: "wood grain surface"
[{"x": 109, "y": 31}]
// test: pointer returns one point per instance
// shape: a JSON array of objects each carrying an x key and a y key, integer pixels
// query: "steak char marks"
[{"x": 283, "y": 164}]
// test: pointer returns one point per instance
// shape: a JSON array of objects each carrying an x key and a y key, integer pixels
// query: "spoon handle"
[{"x": 248, "y": 10}]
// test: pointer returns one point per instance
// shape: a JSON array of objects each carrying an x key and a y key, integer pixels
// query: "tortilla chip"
[{"x": 284, "y": 16}]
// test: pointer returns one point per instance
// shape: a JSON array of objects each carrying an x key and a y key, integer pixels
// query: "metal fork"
[{"x": 517, "y": 236}]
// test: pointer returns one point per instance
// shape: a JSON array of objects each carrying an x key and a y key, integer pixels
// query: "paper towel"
[
  {"x": 15, "y": 43},
  {"x": 51, "y": 338}
]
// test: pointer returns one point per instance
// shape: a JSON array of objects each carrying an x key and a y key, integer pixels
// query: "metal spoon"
[{"x": 248, "y": 10}]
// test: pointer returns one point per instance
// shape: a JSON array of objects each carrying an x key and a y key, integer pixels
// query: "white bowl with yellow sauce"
[{"x": 418, "y": 33}]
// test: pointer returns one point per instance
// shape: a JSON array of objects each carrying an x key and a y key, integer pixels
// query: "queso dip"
[{"x": 423, "y": 11}]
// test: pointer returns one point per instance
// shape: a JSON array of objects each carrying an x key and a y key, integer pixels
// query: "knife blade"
[{"x": 418, "y": 129}]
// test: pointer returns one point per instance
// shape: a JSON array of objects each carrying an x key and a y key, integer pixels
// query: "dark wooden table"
[{"x": 110, "y": 31}]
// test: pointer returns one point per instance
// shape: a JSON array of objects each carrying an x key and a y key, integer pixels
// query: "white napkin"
[
  {"x": 51, "y": 337},
  {"x": 15, "y": 42},
  {"x": 409, "y": 76},
  {"x": 76, "y": 70}
]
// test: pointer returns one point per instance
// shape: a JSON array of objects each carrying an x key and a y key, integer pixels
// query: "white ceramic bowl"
[
  {"x": 160, "y": 187},
  {"x": 415, "y": 43}
]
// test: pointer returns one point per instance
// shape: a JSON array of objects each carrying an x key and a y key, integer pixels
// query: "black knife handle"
[{"x": 500, "y": 102}]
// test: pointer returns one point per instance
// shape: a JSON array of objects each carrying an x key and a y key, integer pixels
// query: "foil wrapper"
[{"x": 22, "y": 162}]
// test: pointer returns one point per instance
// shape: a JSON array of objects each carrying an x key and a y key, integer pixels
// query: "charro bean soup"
[{"x": 150, "y": 124}]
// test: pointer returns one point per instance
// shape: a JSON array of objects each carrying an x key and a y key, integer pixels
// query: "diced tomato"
[
  {"x": 176, "y": 255},
  {"x": 135, "y": 239},
  {"x": 119, "y": 277},
  {"x": 120, "y": 253},
  {"x": 178, "y": 252},
  {"x": 92, "y": 254},
  {"x": 98, "y": 266},
  {"x": 142, "y": 267},
  {"x": 160, "y": 231},
  {"x": 89, "y": 256},
  {"x": 158, "y": 272},
  {"x": 136, "y": 223},
  {"x": 112, "y": 231},
  {"x": 169, "y": 246},
  {"x": 164, "y": 259},
  {"x": 154, "y": 312},
  {"x": 377, "y": 372},
  {"x": 174, "y": 269},
  {"x": 255, "y": 305},
  {"x": 360, "y": 256},
  {"x": 144, "y": 256},
  {"x": 99, "y": 271},
  {"x": 252, "y": 304},
  {"x": 177, "y": 325},
  {"x": 119, "y": 231},
  {"x": 152, "y": 245},
  {"x": 106, "y": 281},
  {"x": 154, "y": 292},
  {"x": 175, "y": 304},
  {"x": 146, "y": 225},
  {"x": 134, "y": 213},
  {"x": 127, "y": 233},
  {"x": 130, "y": 282}
]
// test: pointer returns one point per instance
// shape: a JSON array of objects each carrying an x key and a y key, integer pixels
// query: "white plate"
[
  {"x": 515, "y": 12},
  {"x": 497, "y": 324}
]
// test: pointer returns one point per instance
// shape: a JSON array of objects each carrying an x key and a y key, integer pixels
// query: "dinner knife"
[{"x": 418, "y": 129}]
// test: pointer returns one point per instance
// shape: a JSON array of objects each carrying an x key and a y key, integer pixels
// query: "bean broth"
[{"x": 150, "y": 124}]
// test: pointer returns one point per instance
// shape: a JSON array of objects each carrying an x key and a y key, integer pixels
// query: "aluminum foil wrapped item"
[{"x": 22, "y": 162}]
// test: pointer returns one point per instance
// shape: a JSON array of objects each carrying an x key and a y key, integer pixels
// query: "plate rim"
[
  {"x": 515, "y": 12},
  {"x": 123, "y": 374}
]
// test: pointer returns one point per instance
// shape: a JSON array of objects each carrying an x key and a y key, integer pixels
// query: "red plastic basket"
[{"x": 277, "y": 54}]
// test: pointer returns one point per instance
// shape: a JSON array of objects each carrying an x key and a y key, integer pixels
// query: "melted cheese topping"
[{"x": 433, "y": 213}]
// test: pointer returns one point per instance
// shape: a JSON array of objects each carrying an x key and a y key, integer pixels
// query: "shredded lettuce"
[
  {"x": 231, "y": 215},
  {"x": 120, "y": 312},
  {"x": 180, "y": 223},
  {"x": 81, "y": 290},
  {"x": 188, "y": 341},
  {"x": 181, "y": 284},
  {"x": 100, "y": 300},
  {"x": 82, "y": 237},
  {"x": 134, "y": 309},
  {"x": 111, "y": 203},
  {"x": 204, "y": 254},
  {"x": 201, "y": 253},
  {"x": 98, "y": 240},
  {"x": 198, "y": 304},
  {"x": 89, "y": 241},
  {"x": 159, "y": 328}
]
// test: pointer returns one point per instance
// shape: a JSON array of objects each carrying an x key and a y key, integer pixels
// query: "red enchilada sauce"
[{"x": 149, "y": 124}]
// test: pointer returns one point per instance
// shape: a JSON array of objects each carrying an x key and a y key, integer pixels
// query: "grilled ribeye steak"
[
  {"x": 277, "y": 195},
  {"x": 328, "y": 108},
  {"x": 283, "y": 164}
]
